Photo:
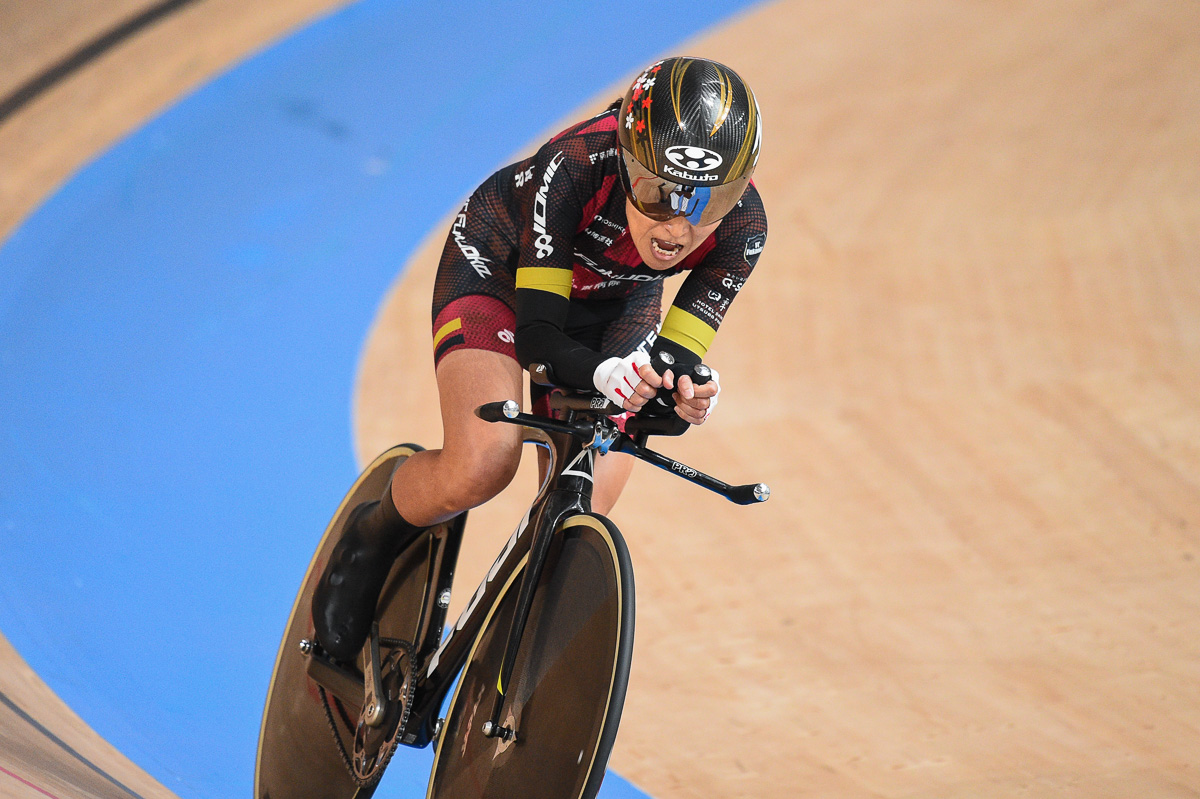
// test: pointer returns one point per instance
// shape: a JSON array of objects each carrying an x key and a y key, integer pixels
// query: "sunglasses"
[{"x": 661, "y": 199}]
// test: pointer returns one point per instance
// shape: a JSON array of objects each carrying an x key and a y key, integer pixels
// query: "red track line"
[{"x": 27, "y": 782}]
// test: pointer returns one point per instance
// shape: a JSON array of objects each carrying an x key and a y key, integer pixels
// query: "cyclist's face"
[{"x": 664, "y": 245}]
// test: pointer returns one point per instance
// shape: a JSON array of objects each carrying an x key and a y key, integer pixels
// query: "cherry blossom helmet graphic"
[{"x": 690, "y": 133}]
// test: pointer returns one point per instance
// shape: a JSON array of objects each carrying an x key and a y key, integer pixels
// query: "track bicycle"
[{"x": 543, "y": 646}]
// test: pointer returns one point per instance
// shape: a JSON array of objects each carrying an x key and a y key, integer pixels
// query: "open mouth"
[{"x": 665, "y": 249}]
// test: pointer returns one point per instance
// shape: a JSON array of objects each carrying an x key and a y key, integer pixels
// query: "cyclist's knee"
[{"x": 480, "y": 472}]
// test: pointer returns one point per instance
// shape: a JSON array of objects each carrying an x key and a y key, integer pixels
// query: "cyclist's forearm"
[{"x": 540, "y": 338}]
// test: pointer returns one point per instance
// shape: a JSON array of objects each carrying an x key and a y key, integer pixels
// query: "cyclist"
[{"x": 559, "y": 259}]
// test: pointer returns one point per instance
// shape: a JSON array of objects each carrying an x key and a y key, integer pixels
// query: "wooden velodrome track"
[{"x": 968, "y": 364}]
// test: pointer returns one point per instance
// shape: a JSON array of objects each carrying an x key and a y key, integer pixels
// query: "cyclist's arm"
[
  {"x": 699, "y": 308},
  {"x": 545, "y": 271},
  {"x": 704, "y": 298}
]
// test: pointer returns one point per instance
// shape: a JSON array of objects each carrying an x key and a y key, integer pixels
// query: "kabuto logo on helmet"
[
  {"x": 689, "y": 177},
  {"x": 696, "y": 159}
]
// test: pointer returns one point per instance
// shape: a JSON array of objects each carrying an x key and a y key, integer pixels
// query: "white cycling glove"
[{"x": 616, "y": 378}]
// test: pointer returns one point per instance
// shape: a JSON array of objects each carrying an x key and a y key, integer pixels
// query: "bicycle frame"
[{"x": 566, "y": 491}]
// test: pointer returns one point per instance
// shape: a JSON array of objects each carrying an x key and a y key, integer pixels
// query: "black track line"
[
  {"x": 32, "y": 722},
  {"x": 56, "y": 73}
]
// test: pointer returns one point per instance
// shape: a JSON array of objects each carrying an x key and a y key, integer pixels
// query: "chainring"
[{"x": 374, "y": 746}]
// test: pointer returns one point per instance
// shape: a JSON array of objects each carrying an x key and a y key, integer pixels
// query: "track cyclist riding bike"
[{"x": 559, "y": 259}]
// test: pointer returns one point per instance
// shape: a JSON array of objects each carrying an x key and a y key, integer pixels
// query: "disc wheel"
[
  {"x": 567, "y": 687},
  {"x": 312, "y": 742}
]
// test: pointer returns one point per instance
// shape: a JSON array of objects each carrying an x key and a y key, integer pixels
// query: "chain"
[
  {"x": 389, "y": 746},
  {"x": 337, "y": 738}
]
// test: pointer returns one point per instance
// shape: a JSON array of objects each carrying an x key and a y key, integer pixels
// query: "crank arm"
[{"x": 373, "y": 700}]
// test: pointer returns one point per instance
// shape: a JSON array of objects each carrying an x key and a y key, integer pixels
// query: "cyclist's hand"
[
  {"x": 629, "y": 382},
  {"x": 694, "y": 404}
]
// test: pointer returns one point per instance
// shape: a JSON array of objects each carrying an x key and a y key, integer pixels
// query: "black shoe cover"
[{"x": 344, "y": 602}]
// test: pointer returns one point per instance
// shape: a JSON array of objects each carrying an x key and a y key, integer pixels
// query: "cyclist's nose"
[{"x": 677, "y": 226}]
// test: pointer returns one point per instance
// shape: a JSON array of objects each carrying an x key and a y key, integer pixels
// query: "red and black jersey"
[{"x": 547, "y": 235}]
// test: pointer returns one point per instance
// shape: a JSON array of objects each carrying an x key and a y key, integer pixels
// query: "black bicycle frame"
[{"x": 567, "y": 491}]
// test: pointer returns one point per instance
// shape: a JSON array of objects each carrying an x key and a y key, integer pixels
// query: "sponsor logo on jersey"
[
  {"x": 702, "y": 309},
  {"x": 605, "y": 240},
  {"x": 697, "y": 159},
  {"x": 543, "y": 243},
  {"x": 609, "y": 223},
  {"x": 648, "y": 341},
  {"x": 471, "y": 253},
  {"x": 754, "y": 246},
  {"x": 600, "y": 156},
  {"x": 608, "y": 273}
]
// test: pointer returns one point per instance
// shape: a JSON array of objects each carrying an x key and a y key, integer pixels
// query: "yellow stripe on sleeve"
[
  {"x": 545, "y": 278},
  {"x": 447, "y": 329},
  {"x": 688, "y": 331}
]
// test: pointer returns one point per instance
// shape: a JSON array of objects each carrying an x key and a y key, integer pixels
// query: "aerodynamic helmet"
[{"x": 690, "y": 132}]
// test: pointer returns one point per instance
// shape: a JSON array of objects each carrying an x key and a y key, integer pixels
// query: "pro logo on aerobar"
[{"x": 697, "y": 159}]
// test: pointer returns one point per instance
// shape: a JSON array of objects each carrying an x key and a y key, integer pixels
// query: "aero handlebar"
[{"x": 602, "y": 433}]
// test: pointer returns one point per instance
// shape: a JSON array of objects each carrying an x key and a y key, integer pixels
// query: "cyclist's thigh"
[
  {"x": 468, "y": 378},
  {"x": 612, "y": 473},
  {"x": 474, "y": 329}
]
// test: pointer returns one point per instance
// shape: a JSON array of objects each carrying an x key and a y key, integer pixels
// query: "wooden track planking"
[
  {"x": 977, "y": 575},
  {"x": 52, "y": 137},
  {"x": 967, "y": 364},
  {"x": 45, "y": 749},
  {"x": 36, "y": 35}
]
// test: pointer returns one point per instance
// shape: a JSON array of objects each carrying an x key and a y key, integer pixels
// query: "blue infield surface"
[{"x": 179, "y": 330}]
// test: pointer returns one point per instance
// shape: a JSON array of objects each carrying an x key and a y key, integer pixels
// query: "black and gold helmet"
[{"x": 690, "y": 132}]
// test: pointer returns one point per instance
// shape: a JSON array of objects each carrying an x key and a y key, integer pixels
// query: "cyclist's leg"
[
  {"x": 477, "y": 459},
  {"x": 612, "y": 473},
  {"x": 473, "y": 323},
  {"x": 476, "y": 462},
  {"x": 473, "y": 333}
]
